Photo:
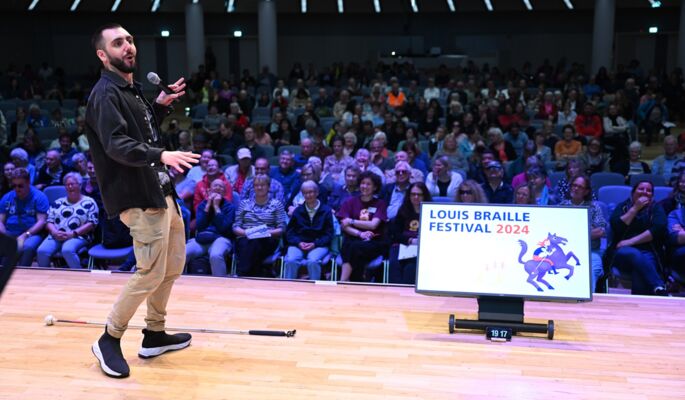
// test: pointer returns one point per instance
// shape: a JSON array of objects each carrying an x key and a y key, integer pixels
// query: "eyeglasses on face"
[{"x": 465, "y": 192}]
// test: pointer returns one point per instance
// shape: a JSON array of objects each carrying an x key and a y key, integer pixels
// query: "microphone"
[{"x": 154, "y": 79}]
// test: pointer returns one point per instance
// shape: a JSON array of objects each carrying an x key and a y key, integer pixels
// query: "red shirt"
[{"x": 202, "y": 188}]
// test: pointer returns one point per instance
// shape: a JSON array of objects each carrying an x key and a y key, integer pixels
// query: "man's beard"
[{"x": 119, "y": 64}]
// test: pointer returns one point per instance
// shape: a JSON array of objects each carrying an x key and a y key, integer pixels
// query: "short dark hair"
[
  {"x": 377, "y": 182},
  {"x": 96, "y": 39}
]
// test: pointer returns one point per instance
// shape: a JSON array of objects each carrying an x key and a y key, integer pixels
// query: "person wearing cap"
[
  {"x": 239, "y": 173},
  {"x": 202, "y": 189},
  {"x": 497, "y": 190}
]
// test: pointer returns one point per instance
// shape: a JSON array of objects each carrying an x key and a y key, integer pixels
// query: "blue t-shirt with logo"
[{"x": 20, "y": 214}]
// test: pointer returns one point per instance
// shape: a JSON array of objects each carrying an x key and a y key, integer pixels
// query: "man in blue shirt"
[
  {"x": 23, "y": 214},
  {"x": 285, "y": 172}
]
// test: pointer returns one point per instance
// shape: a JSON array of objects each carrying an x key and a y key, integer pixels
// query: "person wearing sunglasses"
[
  {"x": 23, "y": 214},
  {"x": 470, "y": 191}
]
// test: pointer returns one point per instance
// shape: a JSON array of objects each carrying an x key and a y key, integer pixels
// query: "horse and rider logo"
[{"x": 549, "y": 256}]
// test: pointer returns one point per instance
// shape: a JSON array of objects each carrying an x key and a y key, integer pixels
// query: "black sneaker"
[
  {"x": 157, "y": 343},
  {"x": 661, "y": 291},
  {"x": 107, "y": 350}
]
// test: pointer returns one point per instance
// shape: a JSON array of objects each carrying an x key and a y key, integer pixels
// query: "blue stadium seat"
[
  {"x": 599, "y": 179},
  {"x": 612, "y": 195},
  {"x": 657, "y": 180},
  {"x": 54, "y": 192},
  {"x": 662, "y": 192}
]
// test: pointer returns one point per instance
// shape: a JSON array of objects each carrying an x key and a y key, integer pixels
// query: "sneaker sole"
[
  {"x": 107, "y": 370},
  {"x": 157, "y": 351}
]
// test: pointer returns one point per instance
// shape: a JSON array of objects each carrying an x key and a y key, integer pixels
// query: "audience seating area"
[{"x": 470, "y": 121}]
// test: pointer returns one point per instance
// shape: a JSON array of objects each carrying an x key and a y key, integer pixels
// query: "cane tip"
[{"x": 49, "y": 319}]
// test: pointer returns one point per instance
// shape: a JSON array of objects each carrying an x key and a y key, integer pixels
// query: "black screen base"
[{"x": 506, "y": 312}]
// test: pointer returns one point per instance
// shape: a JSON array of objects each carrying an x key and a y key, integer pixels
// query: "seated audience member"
[
  {"x": 23, "y": 213},
  {"x": 450, "y": 149},
  {"x": 239, "y": 173},
  {"x": 581, "y": 196},
  {"x": 350, "y": 145},
  {"x": 594, "y": 158},
  {"x": 523, "y": 194},
  {"x": 480, "y": 158},
  {"x": 214, "y": 224},
  {"x": 197, "y": 172},
  {"x": 470, "y": 191},
  {"x": 53, "y": 172},
  {"x": 229, "y": 141},
  {"x": 676, "y": 230},
  {"x": 544, "y": 152},
  {"x": 379, "y": 154},
  {"x": 251, "y": 143},
  {"x": 417, "y": 159},
  {"x": 633, "y": 165},
  {"x": 308, "y": 234},
  {"x": 285, "y": 172},
  {"x": 348, "y": 189},
  {"x": 664, "y": 163},
  {"x": 588, "y": 124},
  {"x": 212, "y": 120},
  {"x": 616, "y": 128},
  {"x": 496, "y": 189},
  {"x": 335, "y": 164},
  {"x": 502, "y": 149},
  {"x": 259, "y": 224},
  {"x": 415, "y": 176},
  {"x": 6, "y": 184},
  {"x": 677, "y": 196},
  {"x": 517, "y": 138},
  {"x": 66, "y": 149},
  {"x": 567, "y": 115},
  {"x": 393, "y": 193},
  {"x": 523, "y": 162},
  {"x": 306, "y": 151},
  {"x": 566, "y": 148},
  {"x": 531, "y": 162},
  {"x": 537, "y": 178},
  {"x": 442, "y": 180},
  {"x": 70, "y": 224},
  {"x": 363, "y": 161},
  {"x": 404, "y": 230},
  {"x": 20, "y": 159},
  {"x": 36, "y": 119},
  {"x": 276, "y": 190},
  {"x": 80, "y": 163},
  {"x": 563, "y": 188},
  {"x": 202, "y": 189},
  {"x": 362, "y": 219},
  {"x": 638, "y": 228},
  {"x": 309, "y": 172}
]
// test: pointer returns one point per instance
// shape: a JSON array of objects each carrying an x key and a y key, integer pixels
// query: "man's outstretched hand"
[
  {"x": 166, "y": 99},
  {"x": 179, "y": 159}
]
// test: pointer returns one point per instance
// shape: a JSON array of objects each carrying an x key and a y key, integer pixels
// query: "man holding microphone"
[{"x": 131, "y": 167}]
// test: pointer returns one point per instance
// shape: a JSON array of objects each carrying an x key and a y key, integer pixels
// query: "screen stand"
[{"x": 502, "y": 312}]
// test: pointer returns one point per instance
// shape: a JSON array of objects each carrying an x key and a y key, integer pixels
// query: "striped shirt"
[{"x": 251, "y": 214}]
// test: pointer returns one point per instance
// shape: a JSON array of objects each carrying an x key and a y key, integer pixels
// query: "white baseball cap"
[{"x": 244, "y": 153}]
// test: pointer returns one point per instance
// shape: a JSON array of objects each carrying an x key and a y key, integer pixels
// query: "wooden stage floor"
[{"x": 352, "y": 342}]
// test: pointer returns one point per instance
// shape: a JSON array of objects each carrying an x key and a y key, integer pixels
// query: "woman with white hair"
[
  {"x": 350, "y": 143},
  {"x": 20, "y": 159},
  {"x": 71, "y": 222},
  {"x": 504, "y": 150},
  {"x": 636, "y": 166}
]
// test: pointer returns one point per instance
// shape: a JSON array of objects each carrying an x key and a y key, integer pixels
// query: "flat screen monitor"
[{"x": 530, "y": 252}]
